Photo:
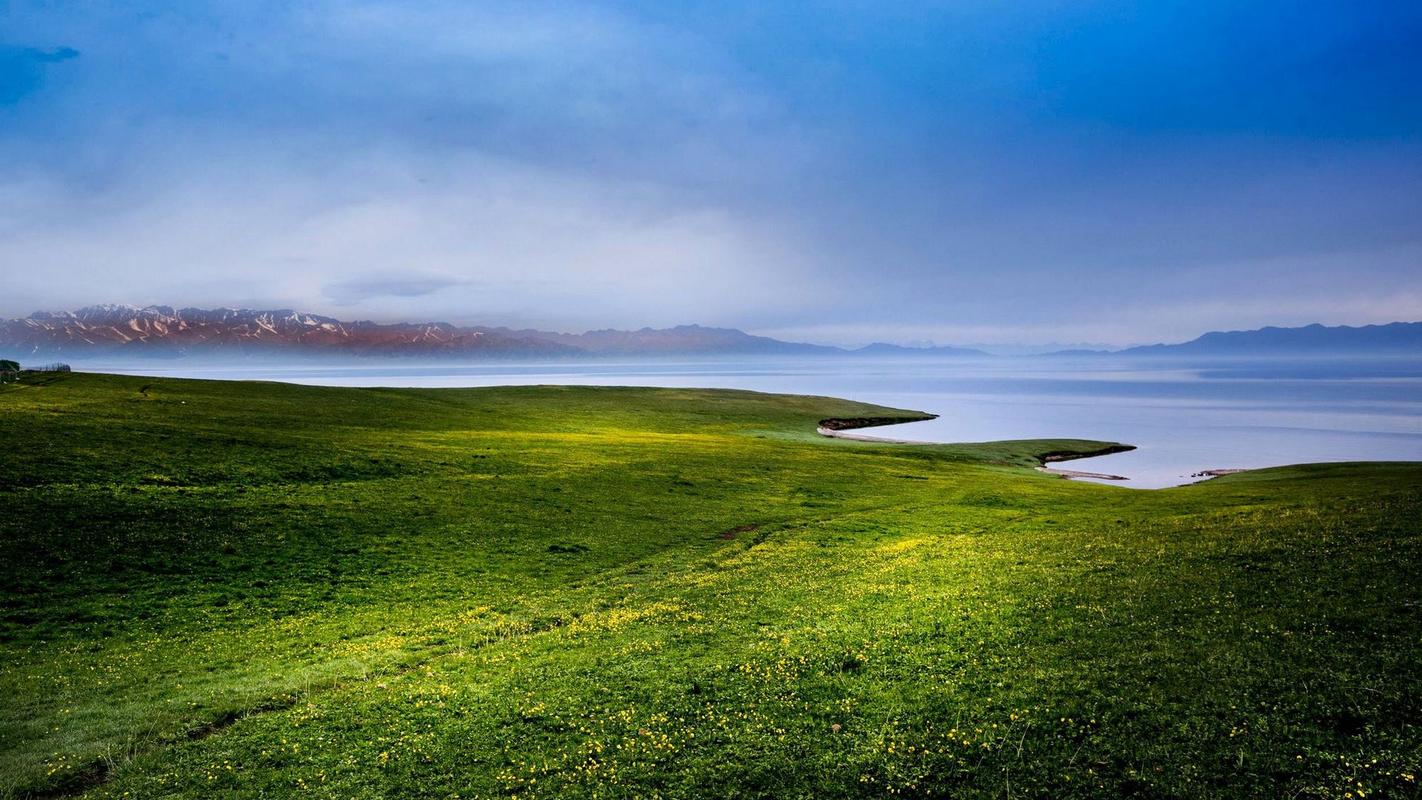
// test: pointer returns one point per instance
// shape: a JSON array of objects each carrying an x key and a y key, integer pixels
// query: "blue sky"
[{"x": 839, "y": 172}]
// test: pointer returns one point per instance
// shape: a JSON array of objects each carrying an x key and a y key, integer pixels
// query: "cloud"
[
  {"x": 485, "y": 241},
  {"x": 350, "y": 292},
  {"x": 53, "y": 55},
  {"x": 944, "y": 171},
  {"x": 22, "y": 69}
]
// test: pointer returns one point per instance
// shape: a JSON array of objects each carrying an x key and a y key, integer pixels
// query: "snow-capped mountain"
[
  {"x": 164, "y": 331},
  {"x": 161, "y": 330}
]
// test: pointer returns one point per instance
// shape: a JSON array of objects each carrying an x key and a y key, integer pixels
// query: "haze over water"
[{"x": 1183, "y": 416}]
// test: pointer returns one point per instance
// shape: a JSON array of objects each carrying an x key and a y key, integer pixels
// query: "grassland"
[{"x": 260, "y": 590}]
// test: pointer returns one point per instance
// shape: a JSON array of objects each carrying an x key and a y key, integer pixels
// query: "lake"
[{"x": 1183, "y": 416}]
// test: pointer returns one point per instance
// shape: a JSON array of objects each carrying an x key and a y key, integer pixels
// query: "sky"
[{"x": 838, "y": 172}]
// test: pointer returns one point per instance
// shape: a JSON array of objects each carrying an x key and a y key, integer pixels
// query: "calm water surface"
[{"x": 1183, "y": 417}]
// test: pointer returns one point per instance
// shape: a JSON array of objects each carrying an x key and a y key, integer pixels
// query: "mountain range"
[
  {"x": 1400, "y": 338},
  {"x": 162, "y": 331}
]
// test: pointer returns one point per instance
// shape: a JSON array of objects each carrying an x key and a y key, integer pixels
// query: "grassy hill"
[{"x": 262, "y": 590}]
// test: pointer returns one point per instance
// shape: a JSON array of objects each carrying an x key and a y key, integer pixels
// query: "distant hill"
[
  {"x": 1396, "y": 338},
  {"x": 883, "y": 349},
  {"x": 162, "y": 331},
  {"x": 681, "y": 340}
]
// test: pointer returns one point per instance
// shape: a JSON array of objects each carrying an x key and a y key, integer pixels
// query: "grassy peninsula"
[{"x": 262, "y": 590}]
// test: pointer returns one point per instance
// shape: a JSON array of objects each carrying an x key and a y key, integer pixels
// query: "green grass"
[{"x": 260, "y": 590}]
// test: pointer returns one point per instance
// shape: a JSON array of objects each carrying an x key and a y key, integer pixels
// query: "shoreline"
[
  {"x": 838, "y": 427},
  {"x": 1068, "y": 474},
  {"x": 1073, "y": 473},
  {"x": 1216, "y": 473}
]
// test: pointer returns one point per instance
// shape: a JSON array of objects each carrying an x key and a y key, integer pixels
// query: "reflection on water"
[{"x": 1183, "y": 417}]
